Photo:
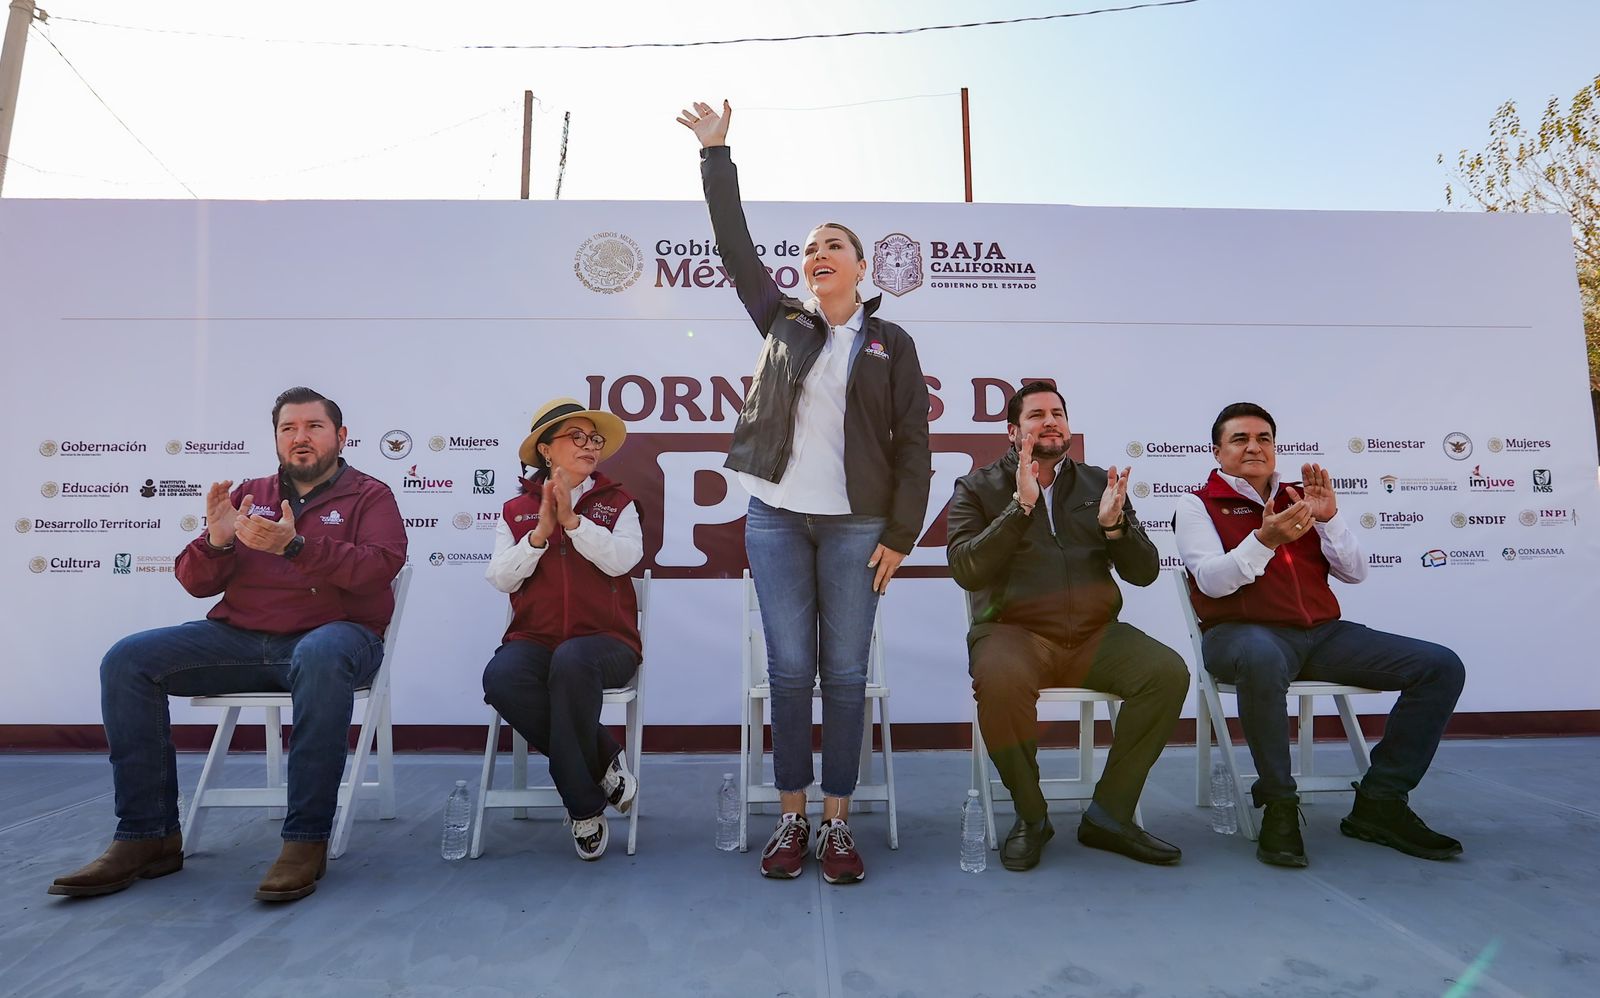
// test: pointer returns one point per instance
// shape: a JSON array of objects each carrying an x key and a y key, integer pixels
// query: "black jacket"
[
  {"x": 1016, "y": 572},
  {"x": 886, "y": 460}
]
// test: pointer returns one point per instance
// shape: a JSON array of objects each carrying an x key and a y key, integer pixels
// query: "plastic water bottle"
[
  {"x": 1224, "y": 818},
  {"x": 974, "y": 850},
  {"x": 727, "y": 814},
  {"x": 457, "y": 819}
]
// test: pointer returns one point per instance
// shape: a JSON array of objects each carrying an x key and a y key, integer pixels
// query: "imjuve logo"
[
  {"x": 897, "y": 264},
  {"x": 483, "y": 482},
  {"x": 608, "y": 262}
]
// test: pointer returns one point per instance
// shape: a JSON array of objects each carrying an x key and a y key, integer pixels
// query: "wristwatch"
[
  {"x": 292, "y": 549},
  {"x": 1121, "y": 524}
]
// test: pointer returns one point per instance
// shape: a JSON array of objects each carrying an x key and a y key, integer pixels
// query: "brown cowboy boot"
[
  {"x": 295, "y": 874},
  {"x": 119, "y": 866}
]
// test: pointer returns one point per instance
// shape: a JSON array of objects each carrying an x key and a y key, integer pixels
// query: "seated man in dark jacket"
[
  {"x": 1033, "y": 537},
  {"x": 303, "y": 559}
]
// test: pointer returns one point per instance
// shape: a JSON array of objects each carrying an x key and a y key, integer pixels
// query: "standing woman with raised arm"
[{"x": 832, "y": 445}]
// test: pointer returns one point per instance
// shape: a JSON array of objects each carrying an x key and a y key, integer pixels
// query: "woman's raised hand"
[{"x": 708, "y": 126}]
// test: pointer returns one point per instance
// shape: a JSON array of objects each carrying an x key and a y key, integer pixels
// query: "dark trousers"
[
  {"x": 1262, "y": 661},
  {"x": 1010, "y": 664},
  {"x": 553, "y": 700}
]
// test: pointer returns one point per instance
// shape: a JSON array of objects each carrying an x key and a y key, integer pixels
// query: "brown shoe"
[
  {"x": 119, "y": 866},
  {"x": 295, "y": 874}
]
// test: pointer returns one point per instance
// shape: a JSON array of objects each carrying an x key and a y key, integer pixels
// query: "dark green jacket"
[{"x": 1016, "y": 572}]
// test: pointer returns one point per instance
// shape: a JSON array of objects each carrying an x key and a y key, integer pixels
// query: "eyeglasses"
[{"x": 580, "y": 439}]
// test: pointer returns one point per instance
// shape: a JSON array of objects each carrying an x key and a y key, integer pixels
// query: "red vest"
[
  {"x": 568, "y": 596},
  {"x": 1293, "y": 592}
]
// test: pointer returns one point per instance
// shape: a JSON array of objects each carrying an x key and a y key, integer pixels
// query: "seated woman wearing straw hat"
[{"x": 562, "y": 550}]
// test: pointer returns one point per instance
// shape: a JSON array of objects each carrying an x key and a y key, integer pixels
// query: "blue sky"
[{"x": 1236, "y": 103}]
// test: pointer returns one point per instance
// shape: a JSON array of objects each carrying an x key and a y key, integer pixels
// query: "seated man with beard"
[
  {"x": 303, "y": 559},
  {"x": 1033, "y": 539}
]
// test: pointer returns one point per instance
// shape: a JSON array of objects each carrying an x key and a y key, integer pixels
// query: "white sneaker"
[
  {"x": 589, "y": 836},
  {"x": 620, "y": 785}
]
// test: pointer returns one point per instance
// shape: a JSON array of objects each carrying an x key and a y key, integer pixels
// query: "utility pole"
[
  {"x": 527, "y": 140},
  {"x": 966, "y": 143},
  {"x": 22, "y": 15}
]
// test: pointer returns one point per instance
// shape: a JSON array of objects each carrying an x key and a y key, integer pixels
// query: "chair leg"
[
  {"x": 1219, "y": 725},
  {"x": 485, "y": 780},
  {"x": 745, "y": 749},
  {"x": 635, "y": 753},
  {"x": 888, "y": 770},
  {"x": 386, "y": 809},
  {"x": 1085, "y": 750},
  {"x": 1354, "y": 734},
  {"x": 211, "y": 771},
  {"x": 276, "y": 777},
  {"x": 1202, "y": 747},
  {"x": 980, "y": 769},
  {"x": 519, "y": 769},
  {"x": 351, "y": 790},
  {"x": 1304, "y": 721}
]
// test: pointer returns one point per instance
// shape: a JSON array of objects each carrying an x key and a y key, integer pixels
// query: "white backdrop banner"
[{"x": 1434, "y": 362}]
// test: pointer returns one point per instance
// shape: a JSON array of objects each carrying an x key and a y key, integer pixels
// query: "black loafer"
[
  {"x": 1099, "y": 830},
  {"x": 1024, "y": 843}
]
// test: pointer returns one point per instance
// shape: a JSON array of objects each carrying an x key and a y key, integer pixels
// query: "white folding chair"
[
  {"x": 375, "y": 721},
  {"x": 756, "y": 791},
  {"x": 519, "y": 796},
  {"x": 1065, "y": 788},
  {"x": 1211, "y": 721}
]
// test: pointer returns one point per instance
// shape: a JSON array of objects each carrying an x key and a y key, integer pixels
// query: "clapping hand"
[
  {"x": 1320, "y": 497},
  {"x": 1289, "y": 524}
]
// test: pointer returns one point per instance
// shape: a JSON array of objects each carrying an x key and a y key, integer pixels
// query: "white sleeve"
[
  {"x": 513, "y": 561},
  {"x": 1216, "y": 572},
  {"x": 613, "y": 551},
  {"x": 1343, "y": 551}
]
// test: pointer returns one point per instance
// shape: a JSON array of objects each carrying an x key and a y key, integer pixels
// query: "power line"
[
  {"x": 113, "y": 114},
  {"x": 385, "y": 149},
  {"x": 884, "y": 33}
]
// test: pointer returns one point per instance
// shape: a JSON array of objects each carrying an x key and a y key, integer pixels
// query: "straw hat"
[{"x": 556, "y": 410}]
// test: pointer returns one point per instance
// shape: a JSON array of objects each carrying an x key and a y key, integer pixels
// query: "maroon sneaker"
[
  {"x": 841, "y": 864},
  {"x": 785, "y": 853}
]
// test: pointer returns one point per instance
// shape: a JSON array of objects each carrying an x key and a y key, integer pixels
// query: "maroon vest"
[
  {"x": 1293, "y": 592},
  {"x": 568, "y": 596}
]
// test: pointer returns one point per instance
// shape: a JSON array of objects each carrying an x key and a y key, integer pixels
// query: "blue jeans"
[
  {"x": 817, "y": 608},
  {"x": 320, "y": 668},
  {"x": 552, "y": 698},
  {"x": 1261, "y": 661}
]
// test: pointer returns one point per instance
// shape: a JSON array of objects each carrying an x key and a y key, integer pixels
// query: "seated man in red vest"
[{"x": 1259, "y": 552}]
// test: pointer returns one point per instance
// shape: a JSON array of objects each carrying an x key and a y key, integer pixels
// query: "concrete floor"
[{"x": 1519, "y": 914}]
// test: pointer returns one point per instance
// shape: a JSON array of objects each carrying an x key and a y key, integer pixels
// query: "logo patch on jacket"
[
  {"x": 875, "y": 349},
  {"x": 524, "y": 516},
  {"x": 802, "y": 318},
  {"x": 1238, "y": 510},
  {"x": 256, "y": 509},
  {"x": 333, "y": 519},
  {"x": 602, "y": 514}
]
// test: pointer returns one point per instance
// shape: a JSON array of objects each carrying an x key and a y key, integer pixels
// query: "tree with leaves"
[{"x": 1555, "y": 167}]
